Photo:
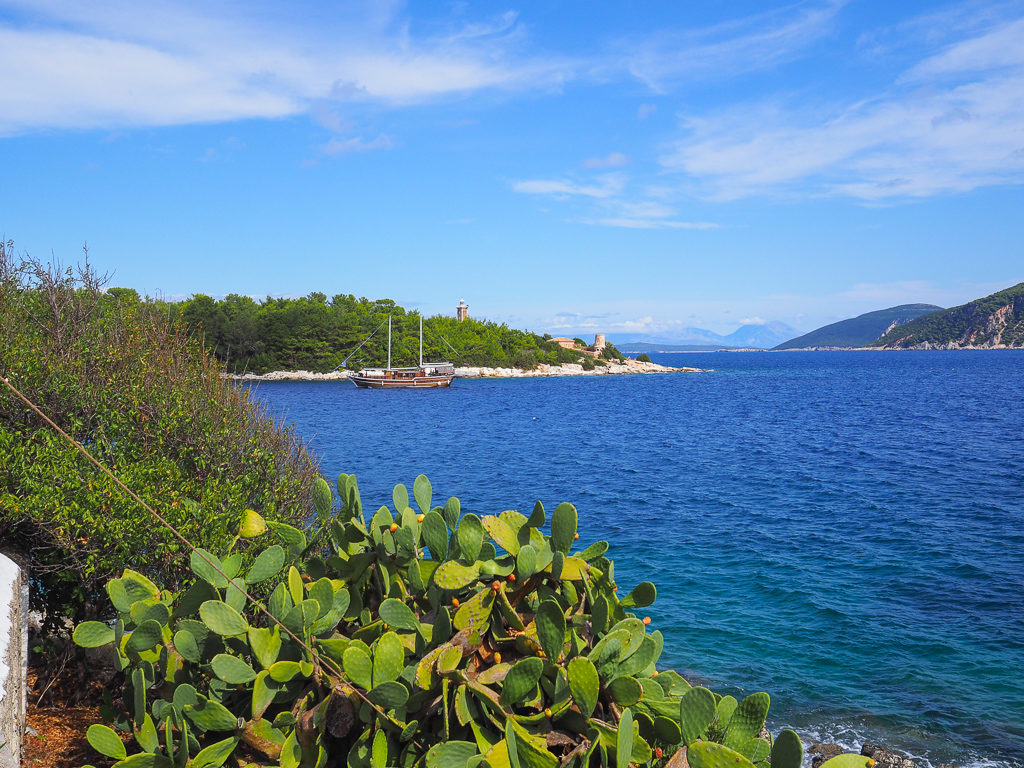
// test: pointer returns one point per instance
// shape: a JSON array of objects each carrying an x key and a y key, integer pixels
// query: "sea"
[{"x": 844, "y": 530}]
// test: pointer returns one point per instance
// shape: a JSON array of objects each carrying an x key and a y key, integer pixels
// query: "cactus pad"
[
  {"x": 787, "y": 751},
  {"x": 551, "y": 628},
  {"x": 747, "y": 720},
  {"x": 563, "y": 527},
  {"x": 705, "y": 754},
  {"x": 696, "y": 711},
  {"x": 521, "y": 680}
]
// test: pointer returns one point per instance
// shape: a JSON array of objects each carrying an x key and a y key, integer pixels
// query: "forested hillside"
[
  {"x": 993, "y": 321},
  {"x": 315, "y": 333},
  {"x": 861, "y": 330}
]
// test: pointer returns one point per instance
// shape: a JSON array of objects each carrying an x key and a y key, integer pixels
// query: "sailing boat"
[{"x": 422, "y": 375}]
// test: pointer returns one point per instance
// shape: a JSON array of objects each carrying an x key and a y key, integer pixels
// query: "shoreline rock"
[
  {"x": 474, "y": 372},
  {"x": 883, "y": 756}
]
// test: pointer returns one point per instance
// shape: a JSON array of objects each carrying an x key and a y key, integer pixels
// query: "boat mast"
[
  {"x": 421, "y": 341},
  {"x": 389, "y": 342}
]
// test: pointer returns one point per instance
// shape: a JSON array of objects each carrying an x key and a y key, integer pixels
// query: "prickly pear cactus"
[{"x": 422, "y": 637}]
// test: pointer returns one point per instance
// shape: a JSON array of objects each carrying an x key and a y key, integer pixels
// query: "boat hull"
[{"x": 411, "y": 382}]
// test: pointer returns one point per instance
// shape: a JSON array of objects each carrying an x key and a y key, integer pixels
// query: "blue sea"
[{"x": 844, "y": 530}]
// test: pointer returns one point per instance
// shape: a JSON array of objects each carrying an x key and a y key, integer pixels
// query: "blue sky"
[{"x": 563, "y": 166}]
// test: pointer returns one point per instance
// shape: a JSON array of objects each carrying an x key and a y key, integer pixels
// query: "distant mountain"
[
  {"x": 992, "y": 322},
  {"x": 644, "y": 346},
  {"x": 762, "y": 335},
  {"x": 861, "y": 330}
]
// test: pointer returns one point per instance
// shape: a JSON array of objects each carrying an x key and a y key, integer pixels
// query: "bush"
[
  {"x": 525, "y": 359},
  {"x": 588, "y": 363},
  {"x": 502, "y": 647},
  {"x": 150, "y": 404},
  {"x": 643, "y": 358},
  {"x": 610, "y": 352}
]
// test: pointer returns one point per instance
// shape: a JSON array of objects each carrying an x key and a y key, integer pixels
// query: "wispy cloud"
[
  {"x": 736, "y": 47},
  {"x": 645, "y": 110},
  {"x": 626, "y": 222},
  {"x": 952, "y": 122},
  {"x": 119, "y": 64},
  {"x": 609, "y": 207},
  {"x": 337, "y": 146},
  {"x": 611, "y": 160},
  {"x": 604, "y": 186}
]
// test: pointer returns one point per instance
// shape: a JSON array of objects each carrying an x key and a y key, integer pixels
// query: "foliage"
[
  {"x": 312, "y": 333},
  {"x": 861, "y": 330},
  {"x": 418, "y": 637},
  {"x": 643, "y": 358},
  {"x": 610, "y": 352},
  {"x": 142, "y": 398},
  {"x": 998, "y": 318}
]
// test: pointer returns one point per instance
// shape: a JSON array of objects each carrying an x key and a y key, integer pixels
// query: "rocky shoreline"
[
  {"x": 883, "y": 756},
  {"x": 629, "y": 366}
]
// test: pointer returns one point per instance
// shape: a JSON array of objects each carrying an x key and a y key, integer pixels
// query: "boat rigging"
[{"x": 422, "y": 376}]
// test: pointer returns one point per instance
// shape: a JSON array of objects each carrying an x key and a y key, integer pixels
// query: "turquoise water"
[{"x": 843, "y": 530}]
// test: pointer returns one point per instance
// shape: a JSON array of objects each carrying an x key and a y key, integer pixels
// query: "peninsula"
[{"x": 625, "y": 366}]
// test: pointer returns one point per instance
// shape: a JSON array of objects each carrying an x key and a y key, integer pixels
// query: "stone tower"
[
  {"x": 462, "y": 311},
  {"x": 599, "y": 342}
]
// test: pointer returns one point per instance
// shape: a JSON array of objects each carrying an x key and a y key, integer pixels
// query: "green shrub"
[
  {"x": 144, "y": 399},
  {"x": 417, "y": 638},
  {"x": 588, "y": 363},
  {"x": 526, "y": 359},
  {"x": 610, "y": 352},
  {"x": 643, "y": 358}
]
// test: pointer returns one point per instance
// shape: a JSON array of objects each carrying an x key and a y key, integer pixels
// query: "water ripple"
[{"x": 843, "y": 530}]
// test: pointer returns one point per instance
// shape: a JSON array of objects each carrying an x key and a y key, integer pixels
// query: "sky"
[{"x": 567, "y": 167}]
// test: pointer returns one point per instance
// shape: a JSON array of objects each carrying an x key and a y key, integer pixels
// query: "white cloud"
[
  {"x": 753, "y": 321},
  {"x": 645, "y": 110},
  {"x": 612, "y": 160},
  {"x": 953, "y": 122},
  {"x": 65, "y": 65},
  {"x": 728, "y": 49},
  {"x": 606, "y": 186},
  {"x": 337, "y": 146},
  {"x": 609, "y": 208},
  {"x": 633, "y": 223}
]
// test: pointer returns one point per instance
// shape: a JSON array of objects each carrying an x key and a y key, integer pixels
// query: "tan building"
[
  {"x": 462, "y": 311},
  {"x": 564, "y": 342}
]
